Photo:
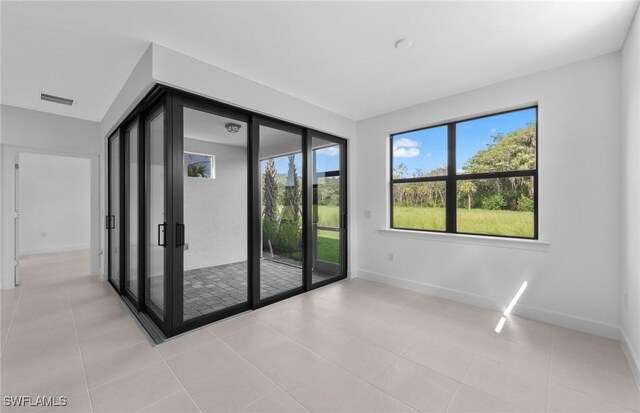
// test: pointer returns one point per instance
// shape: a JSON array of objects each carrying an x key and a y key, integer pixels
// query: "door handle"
[
  {"x": 110, "y": 221},
  {"x": 162, "y": 235},
  {"x": 343, "y": 221},
  {"x": 180, "y": 235}
]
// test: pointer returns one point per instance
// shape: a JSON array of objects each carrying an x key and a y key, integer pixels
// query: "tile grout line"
[
  {"x": 13, "y": 315},
  {"x": 342, "y": 368},
  {"x": 176, "y": 377},
  {"x": 553, "y": 334},
  {"x": 478, "y": 356},
  {"x": 261, "y": 398},
  {"x": 258, "y": 369},
  {"x": 455, "y": 393},
  {"x": 462, "y": 383},
  {"x": 158, "y": 401},
  {"x": 84, "y": 369}
]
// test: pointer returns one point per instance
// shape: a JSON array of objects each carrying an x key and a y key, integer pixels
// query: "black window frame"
[{"x": 452, "y": 177}]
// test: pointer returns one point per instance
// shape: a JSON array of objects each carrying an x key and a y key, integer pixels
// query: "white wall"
[
  {"x": 28, "y": 131},
  {"x": 54, "y": 195},
  {"x": 177, "y": 70},
  {"x": 575, "y": 280},
  {"x": 137, "y": 85},
  {"x": 631, "y": 194},
  {"x": 215, "y": 210},
  {"x": 181, "y": 71}
]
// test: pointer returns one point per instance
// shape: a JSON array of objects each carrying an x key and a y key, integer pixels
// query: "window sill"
[{"x": 487, "y": 241}]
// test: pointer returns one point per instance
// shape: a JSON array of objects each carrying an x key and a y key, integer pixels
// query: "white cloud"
[
  {"x": 428, "y": 155},
  {"x": 406, "y": 152},
  {"x": 405, "y": 148},
  {"x": 405, "y": 143},
  {"x": 330, "y": 151}
]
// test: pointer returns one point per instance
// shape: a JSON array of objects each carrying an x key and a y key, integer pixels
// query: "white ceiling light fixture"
[
  {"x": 403, "y": 44},
  {"x": 232, "y": 127}
]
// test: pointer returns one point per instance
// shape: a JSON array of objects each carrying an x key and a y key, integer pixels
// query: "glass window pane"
[
  {"x": 420, "y": 205},
  {"x": 156, "y": 221},
  {"x": 281, "y": 192},
  {"x": 215, "y": 213},
  {"x": 505, "y": 142},
  {"x": 420, "y": 153},
  {"x": 500, "y": 206},
  {"x": 132, "y": 253},
  {"x": 327, "y": 192},
  {"x": 114, "y": 172}
]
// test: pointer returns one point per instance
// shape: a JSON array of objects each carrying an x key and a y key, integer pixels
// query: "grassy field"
[
  {"x": 329, "y": 246},
  {"x": 328, "y": 215},
  {"x": 328, "y": 241},
  {"x": 477, "y": 221}
]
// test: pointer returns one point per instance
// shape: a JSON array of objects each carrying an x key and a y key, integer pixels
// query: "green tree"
[
  {"x": 270, "y": 203},
  {"x": 291, "y": 211},
  {"x": 514, "y": 151},
  {"x": 270, "y": 192},
  {"x": 197, "y": 170},
  {"x": 400, "y": 170},
  {"x": 467, "y": 188}
]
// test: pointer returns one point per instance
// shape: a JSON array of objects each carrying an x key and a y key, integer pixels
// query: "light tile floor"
[{"x": 353, "y": 346}]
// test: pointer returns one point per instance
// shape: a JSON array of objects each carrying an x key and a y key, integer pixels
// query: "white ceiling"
[
  {"x": 337, "y": 55},
  {"x": 207, "y": 127}
]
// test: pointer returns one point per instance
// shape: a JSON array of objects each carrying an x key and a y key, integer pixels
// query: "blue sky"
[
  {"x": 327, "y": 159},
  {"x": 427, "y": 149}
]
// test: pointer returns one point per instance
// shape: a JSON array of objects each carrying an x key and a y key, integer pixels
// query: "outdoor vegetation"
[
  {"x": 500, "y": 206},
  {"x": 282, "y": 213}
]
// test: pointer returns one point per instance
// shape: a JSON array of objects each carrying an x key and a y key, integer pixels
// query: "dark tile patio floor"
[{"x": 214, "y": 288}]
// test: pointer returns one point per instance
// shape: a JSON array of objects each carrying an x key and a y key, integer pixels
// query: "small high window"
[
  {"x": 199, "y": 165},
  {"x": 476, "y": 176}
]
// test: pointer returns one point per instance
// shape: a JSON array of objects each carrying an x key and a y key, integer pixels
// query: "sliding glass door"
[
  {"x": 282, "y": 176},
  {"x": 131, "y": 190},
  {"x": 113, "y": 218},
  {"x": 211, "y": 211},
  {"x": 328, "y": 208},
  {"x": 215, "y": 210},
  {"x": 157, "y": 229}
]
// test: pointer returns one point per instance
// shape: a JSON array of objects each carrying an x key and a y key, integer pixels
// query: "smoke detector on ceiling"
[
  {"x": 56, "y": 99},
  {"x": 232, "y": 127},
  {"x": 403, "y": 44}
]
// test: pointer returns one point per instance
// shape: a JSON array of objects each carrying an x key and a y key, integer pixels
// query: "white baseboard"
[
  {"x": 632, "y": 356},
  {"x": 50, "y": 250},
  {"x": 546, "y": 316}
]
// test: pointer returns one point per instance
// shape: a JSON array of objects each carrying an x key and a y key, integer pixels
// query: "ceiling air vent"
[{"x": 56, "y": 99}]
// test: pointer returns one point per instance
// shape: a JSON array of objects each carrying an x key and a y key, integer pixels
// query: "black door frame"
[
  {"x": 126, "y": 219},
  {"x": 154, "y": 109},
  {"x": 111, "y": 221},
  {"x": 179, "y": 102},
  {"x": 172, "y": 101},
  {"x": 258, "y": 121},
  {"x": 343, "y": 217}
]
